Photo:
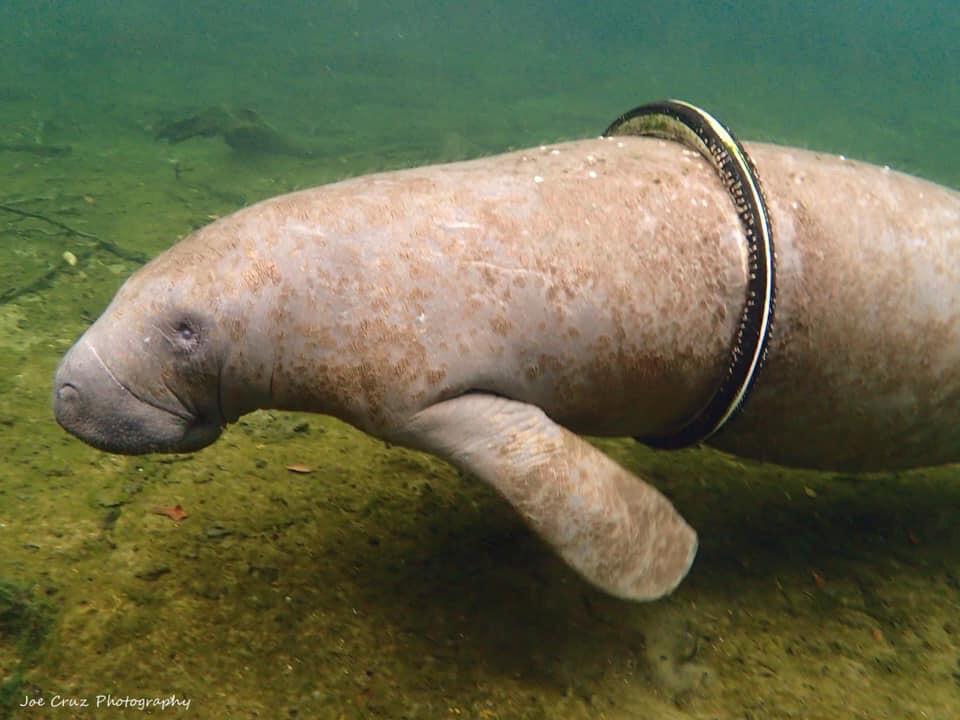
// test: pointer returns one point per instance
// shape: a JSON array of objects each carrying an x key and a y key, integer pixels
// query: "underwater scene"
[{"x": 301, "y": 568}]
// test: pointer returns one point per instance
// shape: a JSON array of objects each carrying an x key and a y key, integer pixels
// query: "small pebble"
[
  {"x": 218, "y": 531},
  {"x": 299, "y": 468},
  {"x": 69, "y": 258},
  {"x": 152, "y": 573}
]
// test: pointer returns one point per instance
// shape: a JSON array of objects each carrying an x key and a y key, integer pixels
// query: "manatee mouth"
[
  {"x": 91, "y": 403},
  {"x": 131, "y": 430}
]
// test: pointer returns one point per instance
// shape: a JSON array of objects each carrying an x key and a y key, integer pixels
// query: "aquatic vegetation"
[{"x": 25, "y": 623}]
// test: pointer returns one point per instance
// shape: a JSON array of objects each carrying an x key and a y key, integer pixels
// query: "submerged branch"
[
  {"x": 37, "y": 149},
  {"x": 105, "y": 245},
  {"x": 47, "y": 277}
]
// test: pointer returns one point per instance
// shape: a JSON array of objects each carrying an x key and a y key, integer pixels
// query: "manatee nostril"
[{"x": 68, "y": 392}]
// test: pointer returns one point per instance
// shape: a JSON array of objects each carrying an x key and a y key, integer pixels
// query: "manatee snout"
[{"x": 91, "y": 403}]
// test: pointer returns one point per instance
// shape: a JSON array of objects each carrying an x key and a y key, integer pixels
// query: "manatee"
[{"x": 492, "y": 311}]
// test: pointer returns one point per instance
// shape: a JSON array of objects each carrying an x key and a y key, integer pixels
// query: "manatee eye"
[{"x": 186, "y": 334}]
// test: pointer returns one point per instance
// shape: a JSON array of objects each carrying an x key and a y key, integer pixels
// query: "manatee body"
[{"x": 487, "y": 311}]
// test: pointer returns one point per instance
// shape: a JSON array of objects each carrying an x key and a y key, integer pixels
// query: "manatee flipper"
[{"x": 617, "y": 531}]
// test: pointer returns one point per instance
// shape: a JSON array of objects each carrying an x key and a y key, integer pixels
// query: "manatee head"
[{"x": 146, "y": 376}]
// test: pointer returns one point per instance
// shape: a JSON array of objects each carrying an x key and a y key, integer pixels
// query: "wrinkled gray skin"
[{"x": 486, "y": 311}]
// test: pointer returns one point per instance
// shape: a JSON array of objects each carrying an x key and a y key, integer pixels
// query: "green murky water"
[{"x": 382, "y": 584}]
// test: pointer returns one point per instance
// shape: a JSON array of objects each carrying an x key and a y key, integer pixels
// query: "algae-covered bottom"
[{"x": 381, "y": 584}]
